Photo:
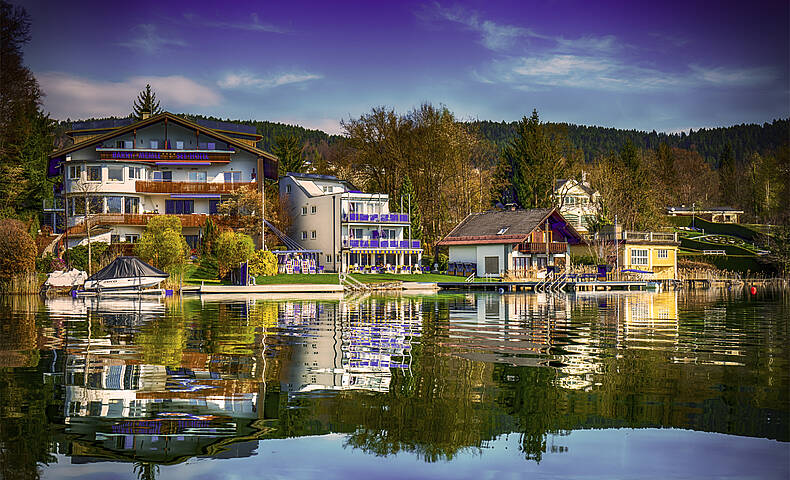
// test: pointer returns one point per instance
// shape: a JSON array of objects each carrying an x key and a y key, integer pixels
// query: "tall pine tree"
[{"x": 146, "y": 102}]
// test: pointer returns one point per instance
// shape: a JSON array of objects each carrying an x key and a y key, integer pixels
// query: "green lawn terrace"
[{"x": 735, "y": 247}]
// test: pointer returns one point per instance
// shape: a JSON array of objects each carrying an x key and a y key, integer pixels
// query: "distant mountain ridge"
[{"x": 592, "y": 140}]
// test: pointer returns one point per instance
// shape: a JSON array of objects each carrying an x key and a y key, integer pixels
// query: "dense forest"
[
  {"x": 591, "y": 140},
  {"x": 745, "y": 139}
]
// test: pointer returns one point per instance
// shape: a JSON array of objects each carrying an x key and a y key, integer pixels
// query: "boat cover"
[
  {"x": 72, "y": 278},
  {"x": 127, "y": 267}
]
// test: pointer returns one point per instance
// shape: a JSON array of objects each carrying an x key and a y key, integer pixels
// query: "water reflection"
[{"x": 157, "y": 382}]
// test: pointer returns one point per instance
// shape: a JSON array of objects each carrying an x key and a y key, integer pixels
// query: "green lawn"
[{"x": 322, "y": 278}]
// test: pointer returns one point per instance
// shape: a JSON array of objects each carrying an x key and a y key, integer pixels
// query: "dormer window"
[{"x": 502, "y": 230}]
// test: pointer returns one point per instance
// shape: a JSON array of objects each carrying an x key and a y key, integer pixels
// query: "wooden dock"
[{"x": 535, "y": 285}]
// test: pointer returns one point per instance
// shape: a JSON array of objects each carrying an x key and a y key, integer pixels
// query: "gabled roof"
[
  {"x": 160, "y": 118},
  {"x": 505, "y": 226},
  {"x": 574, "y": 183}
]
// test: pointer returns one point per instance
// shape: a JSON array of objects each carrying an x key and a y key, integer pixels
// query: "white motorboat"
[{"x": 125, "y": 274}]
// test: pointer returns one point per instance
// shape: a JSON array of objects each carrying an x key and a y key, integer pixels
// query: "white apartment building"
[
  {"x": 126, "y": 171},
  {"x": 348, "y": 227}
]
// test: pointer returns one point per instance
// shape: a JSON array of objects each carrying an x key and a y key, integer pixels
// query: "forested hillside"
[
  {"x": 595, "y": 141},
  {"x": 592, "y": 141}
]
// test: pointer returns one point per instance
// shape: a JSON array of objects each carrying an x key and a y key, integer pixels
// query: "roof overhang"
[{"x": 58, "y": 156}]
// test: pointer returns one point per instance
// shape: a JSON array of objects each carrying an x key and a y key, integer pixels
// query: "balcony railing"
[
  {"x": 352, "y": 243},
  {"x": 55, "y": 204},
  {"x": 641, "y": 236},
  {"x": 376, "y": 218},
  {"x": 144, "y": 186},
  {"x": 187, "y": 221},
  {"x": 538, "y": 247}
]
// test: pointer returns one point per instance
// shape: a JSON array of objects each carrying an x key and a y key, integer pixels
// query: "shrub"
[
  {"x": 78, "y": 256},
  {"x": 232, "y": 249},
  {"x": 17, "y": 249},
  {"x": 263, "y": 262},
  {"x": 162, "y": 244},
  {"x": 49, "y": 263}
]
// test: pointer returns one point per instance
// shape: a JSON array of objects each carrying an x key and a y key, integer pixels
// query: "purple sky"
[{"x": 668, "y": 66}]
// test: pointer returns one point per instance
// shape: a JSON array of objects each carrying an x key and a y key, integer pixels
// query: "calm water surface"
[{"x": 596, "y": 385}]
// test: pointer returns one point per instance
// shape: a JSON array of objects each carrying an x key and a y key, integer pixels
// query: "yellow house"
[{"x": 655, "y": 252}]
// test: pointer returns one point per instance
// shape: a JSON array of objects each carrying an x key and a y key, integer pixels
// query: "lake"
[{"x": 472, "y": 385}]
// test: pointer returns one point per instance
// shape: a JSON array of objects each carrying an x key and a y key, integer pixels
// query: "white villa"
[
  {"x": 577, "y": 202},
  {"x": 350, "y": 229},
  {"x": 127, "y": 171}
]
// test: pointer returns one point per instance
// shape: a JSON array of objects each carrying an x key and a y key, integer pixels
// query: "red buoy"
[{"x": 753, "y": 290}]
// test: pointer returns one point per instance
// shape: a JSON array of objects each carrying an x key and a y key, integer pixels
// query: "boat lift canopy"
[{"x": 125, "y": 267}]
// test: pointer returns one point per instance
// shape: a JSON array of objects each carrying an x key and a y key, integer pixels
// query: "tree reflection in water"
[{"x": 156, "y": 383}]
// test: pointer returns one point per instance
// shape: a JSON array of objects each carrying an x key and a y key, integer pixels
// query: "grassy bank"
[{"x": 206, "y": 272}]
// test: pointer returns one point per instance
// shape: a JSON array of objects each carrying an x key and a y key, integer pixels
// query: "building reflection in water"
[
  {"x": 120, "y": 407},
  {"x": 342, "y": 346},
  {"x": 534, "y": 330},
  {"x": 162, "y": 381}
]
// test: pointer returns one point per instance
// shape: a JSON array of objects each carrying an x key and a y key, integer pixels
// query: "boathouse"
[{"x": 517, "y": 242}]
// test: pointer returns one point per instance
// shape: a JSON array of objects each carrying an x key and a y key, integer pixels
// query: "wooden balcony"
[
  {"x": 187, "y": 221},
  {"x": 143, "y": 186},
  {"x": 540, "y": 247}
]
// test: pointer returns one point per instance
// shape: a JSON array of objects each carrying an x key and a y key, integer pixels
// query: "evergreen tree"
[
  {"x": 146, "y": 102},
  {"x": 405, "y": 193},
  {"x": 727, "y": 176},
  {"x": 26, "y": 134},
  {"x": 537, "y": 158},
  {"x": 290, "y": 152}
]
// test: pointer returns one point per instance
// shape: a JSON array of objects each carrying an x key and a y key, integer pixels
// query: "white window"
[
  {"x": 329, "y": 259},
  {"x": 232, "y": 177},
  {"x": 135, "y": 173},
  {"x": 128, "y": 144},
  {"x": 663, "y": 253},
  {"x": 211, "y": 146},
  {"x": 304, "y": 235},
  {"x": 304, "y": 210},
  {"x": 327, "y": 189},
  {"x": 94, "y": 174},
  {"x": 357, "y": 233},
  {"x": 179, "y": 145},
  {"x": 287, "y": 189},
  {"x": 313, "y": 209},
  {"x": 638, "y": 256},
  {"x": 74, "y": 172},
  {"x": 197, "y": 177},
  {"x": 132, "y": 237},
  {"x": 113, "y": 204},
  {"x": 313, "y": 234},
  {"x": 154, "y": 144},
  {"x": 115, "y": 174}
]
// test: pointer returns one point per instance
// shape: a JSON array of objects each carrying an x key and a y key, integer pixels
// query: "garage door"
[{"x": 492, "y": 265}]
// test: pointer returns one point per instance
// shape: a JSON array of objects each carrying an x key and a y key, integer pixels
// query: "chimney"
[
  {"x": 584, "y": 177},
  {"x": 146, "y": 115}
]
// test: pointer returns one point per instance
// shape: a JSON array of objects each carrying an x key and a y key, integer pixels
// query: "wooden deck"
[{"x": 533, "y": 284}]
